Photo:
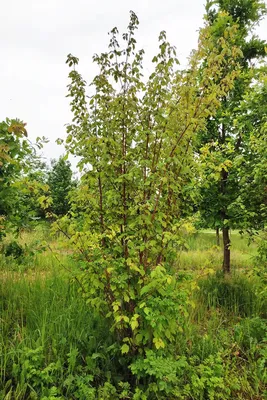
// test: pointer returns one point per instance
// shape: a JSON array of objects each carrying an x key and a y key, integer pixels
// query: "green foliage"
[
  {"x": 55, "y": 342},
  {"x": 225, "y": 150},
  {"x": 14, "y": 156},
  {"x": 53, "y": 346},
  {"x": 261, "y": 257},
  {"x": 18, "y": 160},
  {"x": 13, "y": 249},
  {"x": 137, "y": 159},
  {"x": 123, "y": 321},
  {"x": 60, "y": 184},
  {"x": 250, "y": 332},
  {"x": 253, "y": 179},
  {"x": 244, "y": 12},
  {"x": 32, "y": 191}
]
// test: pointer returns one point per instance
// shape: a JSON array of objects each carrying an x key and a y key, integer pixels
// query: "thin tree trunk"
[
  {"x": 218, "y": 236},
  {"x": 226, "y": 250}
]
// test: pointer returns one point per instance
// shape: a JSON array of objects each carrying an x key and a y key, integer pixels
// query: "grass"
[
  {"x": 44, "y": 323},
  {"x": 203, "y": 253},
  {"x": 52, "y": 346}
]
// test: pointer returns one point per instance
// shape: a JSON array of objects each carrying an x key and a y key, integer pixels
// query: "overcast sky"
[{"x": 37, "y": 35}]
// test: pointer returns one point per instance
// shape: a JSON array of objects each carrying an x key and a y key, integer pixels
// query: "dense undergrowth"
[{"x": 53, "y": 346}]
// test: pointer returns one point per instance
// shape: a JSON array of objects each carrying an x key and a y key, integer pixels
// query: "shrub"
[{"x": 13, "y": 249}]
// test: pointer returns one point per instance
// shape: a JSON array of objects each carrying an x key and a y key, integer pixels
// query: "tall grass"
[
  {"x": 201, "y": 252},
  {"x": 205, "y": 239},
  {"x": 238, "y": 294},
  {"x": 52, "y": 346},
  {"x": 44, "y": 322}
]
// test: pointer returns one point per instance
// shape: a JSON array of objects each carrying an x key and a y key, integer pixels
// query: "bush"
[
  {"x": 13, "y": 249},
  {"x": 250, "y": 332}
]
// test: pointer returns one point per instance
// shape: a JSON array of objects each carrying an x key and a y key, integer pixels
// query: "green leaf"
[
  {"x": 125, "y": 348},
  {"x": 158, "y": 343}
]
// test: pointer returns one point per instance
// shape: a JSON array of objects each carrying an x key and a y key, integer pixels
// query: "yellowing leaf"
[
  {"x": 126, "y": 297},
  {"x": 125, "y": 348},
  {"x": 134, "y": 325},
  {"x": 134, "y": 322},
  {"x": 158, "y": 343},
  {"x": 146, "y": 310},
  {"x": 169, "y": 280}
]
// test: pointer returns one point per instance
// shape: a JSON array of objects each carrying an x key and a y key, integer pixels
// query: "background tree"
[
  {"x": 254, "y": 177},
  {"x": 32, "y": 189},
  {"x": 15, "y": 155},
  {"x": 60, "y": 182},
  {"x": 225, "y": 141}
]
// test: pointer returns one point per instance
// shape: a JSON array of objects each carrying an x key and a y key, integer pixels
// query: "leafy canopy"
[
  {"x": 15, "y": 155},
  {"x": 60, "y": 182},
  {"x": 134, "y": 139}
]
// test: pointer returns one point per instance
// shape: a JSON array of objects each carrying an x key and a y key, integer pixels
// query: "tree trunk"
[
  {"x": 226, "y": 251},
  {"x": 218, "y": 236}
]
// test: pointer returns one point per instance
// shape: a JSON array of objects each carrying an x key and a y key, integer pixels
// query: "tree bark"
[
  {"x": 226, "y": 250},
  {"x": 218, "y": 236}
]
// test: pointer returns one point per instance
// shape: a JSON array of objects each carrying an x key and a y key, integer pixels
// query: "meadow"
[{"x": 53, "y": 346}]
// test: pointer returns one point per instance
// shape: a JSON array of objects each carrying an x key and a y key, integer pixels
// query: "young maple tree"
[{"x": 135, "y": 143}]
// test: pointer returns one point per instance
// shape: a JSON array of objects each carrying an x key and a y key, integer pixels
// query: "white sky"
[{"x": 37, "y": 35}]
